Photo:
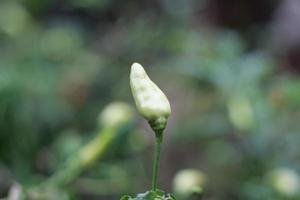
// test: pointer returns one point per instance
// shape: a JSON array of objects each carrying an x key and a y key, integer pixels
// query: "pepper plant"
[{"x": 154, "y": 106}]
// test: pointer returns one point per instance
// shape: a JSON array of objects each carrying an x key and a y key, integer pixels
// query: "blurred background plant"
[{"x": 230, "y": 69}]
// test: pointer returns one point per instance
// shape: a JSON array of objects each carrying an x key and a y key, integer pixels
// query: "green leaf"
[
  {"x": 126, "y": 197},
  {"x": 151, "y": 195}
]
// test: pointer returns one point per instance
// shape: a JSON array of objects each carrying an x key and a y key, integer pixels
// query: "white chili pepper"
[{"x": 150, "y": 101}]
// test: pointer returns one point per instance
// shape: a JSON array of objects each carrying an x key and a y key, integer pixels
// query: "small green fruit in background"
[
  {"x": 285, "y": 181},
  {"x": 240, "y": 113},
  {"x": 115, "y": 114},
  {"x": 188, "y": 182}
]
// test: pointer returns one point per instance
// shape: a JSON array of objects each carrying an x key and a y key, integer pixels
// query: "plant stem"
[
  {"x": 85, "y": 157},
  {"x": 158, "y": 142}
]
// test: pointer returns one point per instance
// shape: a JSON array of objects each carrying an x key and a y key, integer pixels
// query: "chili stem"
[{"x": 156, "y": 161}]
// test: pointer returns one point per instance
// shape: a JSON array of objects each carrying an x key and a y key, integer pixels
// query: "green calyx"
[{"x": 158, "y": 124}]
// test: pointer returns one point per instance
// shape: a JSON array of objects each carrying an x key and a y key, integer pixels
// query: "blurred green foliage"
[{"x": 235, "y": 107}]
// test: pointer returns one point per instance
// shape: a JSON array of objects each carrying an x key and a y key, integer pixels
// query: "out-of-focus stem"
[{"x": 86, "y": 156}]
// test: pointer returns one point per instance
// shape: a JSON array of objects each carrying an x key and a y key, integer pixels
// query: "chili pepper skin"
[{"x": 150, "y": 101}]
